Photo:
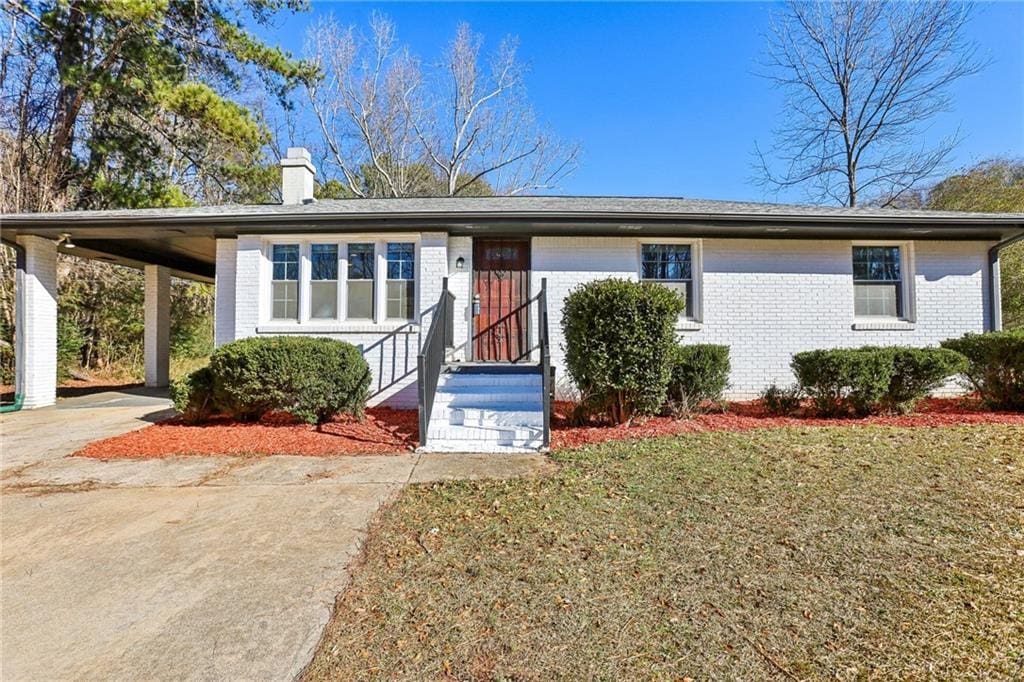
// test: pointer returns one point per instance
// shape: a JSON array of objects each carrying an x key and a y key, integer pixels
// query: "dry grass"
[{"x": 845, "y": 553}]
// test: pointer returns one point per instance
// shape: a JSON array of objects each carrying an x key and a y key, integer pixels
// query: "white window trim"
[
  {"x": 907, "y": 276},
  {"x": 692, "y": 322},
  {"x": 380, "y": 321}
]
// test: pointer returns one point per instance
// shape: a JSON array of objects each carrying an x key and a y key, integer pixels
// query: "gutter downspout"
[
  {"x": 995, "y": 285},
  {"x": 19, "y": 336}
]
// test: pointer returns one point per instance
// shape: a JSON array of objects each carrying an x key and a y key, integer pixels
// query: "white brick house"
[{"x": 766, "y": 280}]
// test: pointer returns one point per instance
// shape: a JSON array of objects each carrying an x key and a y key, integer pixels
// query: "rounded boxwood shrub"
[
  {"x": 995, "y": 366},
  {"x": 310, "y": 378},
  {"x": 872, "y": 379},
  {"x": 700, "y": 373},
  {"x": 619, "y": 339}
]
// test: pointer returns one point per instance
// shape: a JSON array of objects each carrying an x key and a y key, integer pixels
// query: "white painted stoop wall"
[{"x": 481, "y": 408}]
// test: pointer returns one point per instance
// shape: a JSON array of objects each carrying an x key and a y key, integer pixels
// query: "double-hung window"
[
  {"x": 401, "y": 285},
  {"x": 323, "y": 285},
  {"x": 360, "y": 281},
  {"x": 285, "y": 282},
  {"x": 878, "y": 285},
  {"x": 670, "y": 265}
]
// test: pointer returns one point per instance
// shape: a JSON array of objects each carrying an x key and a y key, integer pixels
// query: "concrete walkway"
[{"x": 196, "y": 568}]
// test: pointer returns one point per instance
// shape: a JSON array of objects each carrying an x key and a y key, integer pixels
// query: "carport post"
[
  {"x": 157, "y": 337},
  {"x": 37, "y": 301}
]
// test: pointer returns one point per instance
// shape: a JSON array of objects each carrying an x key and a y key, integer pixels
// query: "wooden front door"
[{"x": 501, "y": 278}]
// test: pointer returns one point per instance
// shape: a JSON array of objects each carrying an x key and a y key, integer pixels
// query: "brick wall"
[
  {"x": 39, "y": 328},
  {"x": 224, "y": 292},
  {"x": 768, "y": 299},
  {"x": 765, "y": 298}
]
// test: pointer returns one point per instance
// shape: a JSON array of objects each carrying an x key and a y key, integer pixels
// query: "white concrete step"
[
  {"x": 479, "y": 410},
  {"x": 474, "y": 438},
  {"x": 467, "y": 380},
  {"x": 507, "y": 414},
  {"x": 481, "y": 396}
]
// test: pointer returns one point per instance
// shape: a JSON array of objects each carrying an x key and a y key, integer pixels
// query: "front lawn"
[{"x": 855, "y": 552}]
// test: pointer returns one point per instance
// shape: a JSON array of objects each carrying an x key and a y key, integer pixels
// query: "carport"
[{"x": 160, "y": 250}]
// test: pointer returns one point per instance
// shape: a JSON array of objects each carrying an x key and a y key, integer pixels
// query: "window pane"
[
  {"x": 666, "y": 262},
  {"x": 286, "y": 301},
  {"x": 360, "y": 261},
  {"x": 876, "y": 263},
  {"x": 878, "y": 300},
  {"x": 323, "y": 300},
  {"x": 401, "y": 261},
  {"x": 286, "y": 261},
  {"x": 400, "y": 299},
  {"x": 360, "y": 299},
  {"x": 324, "y": 261}
]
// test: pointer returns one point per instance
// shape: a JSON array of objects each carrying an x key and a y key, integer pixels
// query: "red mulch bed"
[
  {"x": 383, "y": 432},
  {"x": 746, "y": 416},
  {"x": 386, "y": 431}
]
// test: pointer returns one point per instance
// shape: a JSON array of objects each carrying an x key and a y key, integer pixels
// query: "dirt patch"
[{"x": 383, "y": 432}]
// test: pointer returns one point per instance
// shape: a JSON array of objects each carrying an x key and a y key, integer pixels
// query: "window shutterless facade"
[
  {"x": 360, "y": 279},
  {"x": 879, "y": 285},
  {"x": 401, "y": 280},
  {"x": 671, "y": 265},
  {"x": 285, "y": 282}
]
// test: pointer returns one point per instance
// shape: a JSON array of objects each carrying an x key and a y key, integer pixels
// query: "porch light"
[
  {"x": 65, "y": 240},
  {"x": 460, "y": 263}
]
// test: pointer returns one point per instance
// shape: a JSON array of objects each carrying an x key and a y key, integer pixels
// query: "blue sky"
[{"x": 663, "y": 97}]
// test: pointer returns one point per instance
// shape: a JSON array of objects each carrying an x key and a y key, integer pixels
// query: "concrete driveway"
[{"x": 188, "y": 568}]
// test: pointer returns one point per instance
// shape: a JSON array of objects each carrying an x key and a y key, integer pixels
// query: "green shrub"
[
  {"x": 6, "y": 363},
  {"x": 995, "y": 366},
  {"x": 193, "y": 394},
  {"x": 872, "y": 379},
  {"x": 781, "y": 401},
  {"x": 843, "y": 380},
  {"x": 700, "y": 373},
  {"x": 619, "y": 338},
  {"x": 310, "y": 378},
  {"x": 916, "y": 372}
]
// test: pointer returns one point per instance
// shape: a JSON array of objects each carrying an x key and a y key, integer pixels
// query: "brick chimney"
[{"x": 297, "y": 173}]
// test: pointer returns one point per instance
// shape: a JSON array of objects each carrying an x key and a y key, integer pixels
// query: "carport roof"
[{"x": 184, "y": 238}]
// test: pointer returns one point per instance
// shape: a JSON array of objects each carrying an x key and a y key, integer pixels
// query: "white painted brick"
[
  {"x": 39, "y": 322},
  {"x": 768, "y": 299},
  {"x": 157, "y": 319},
  {"x": 765, "y": 298},
  {"x": 224, "y": 291}
]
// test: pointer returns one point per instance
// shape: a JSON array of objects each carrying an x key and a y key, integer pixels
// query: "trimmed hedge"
[
  {"x": 995, "y": 366},
  {"x": 619, "y": 339},
  {"x": 310, "y": 378},
  {"x": 700, "y": 373},
  {"x": 872, "y": 379}
]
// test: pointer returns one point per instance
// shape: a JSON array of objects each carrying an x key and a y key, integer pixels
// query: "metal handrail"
[
  {"x": 430, "y": 360},
  {"x": 544, "y": 341}
]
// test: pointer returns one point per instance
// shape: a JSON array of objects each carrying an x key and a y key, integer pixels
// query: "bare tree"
[
  {"x": 394, "y": 127},
  {"x": 862, "y": 80}
]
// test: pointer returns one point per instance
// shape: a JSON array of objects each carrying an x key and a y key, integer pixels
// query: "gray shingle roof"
[{"x": 525, "y": 206}]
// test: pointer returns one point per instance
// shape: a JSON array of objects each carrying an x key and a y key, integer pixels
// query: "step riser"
[
  {"x": 485, "y": 402},
  {"x": 475, "y": 417},
  {"x": 489, "y": 381}
]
